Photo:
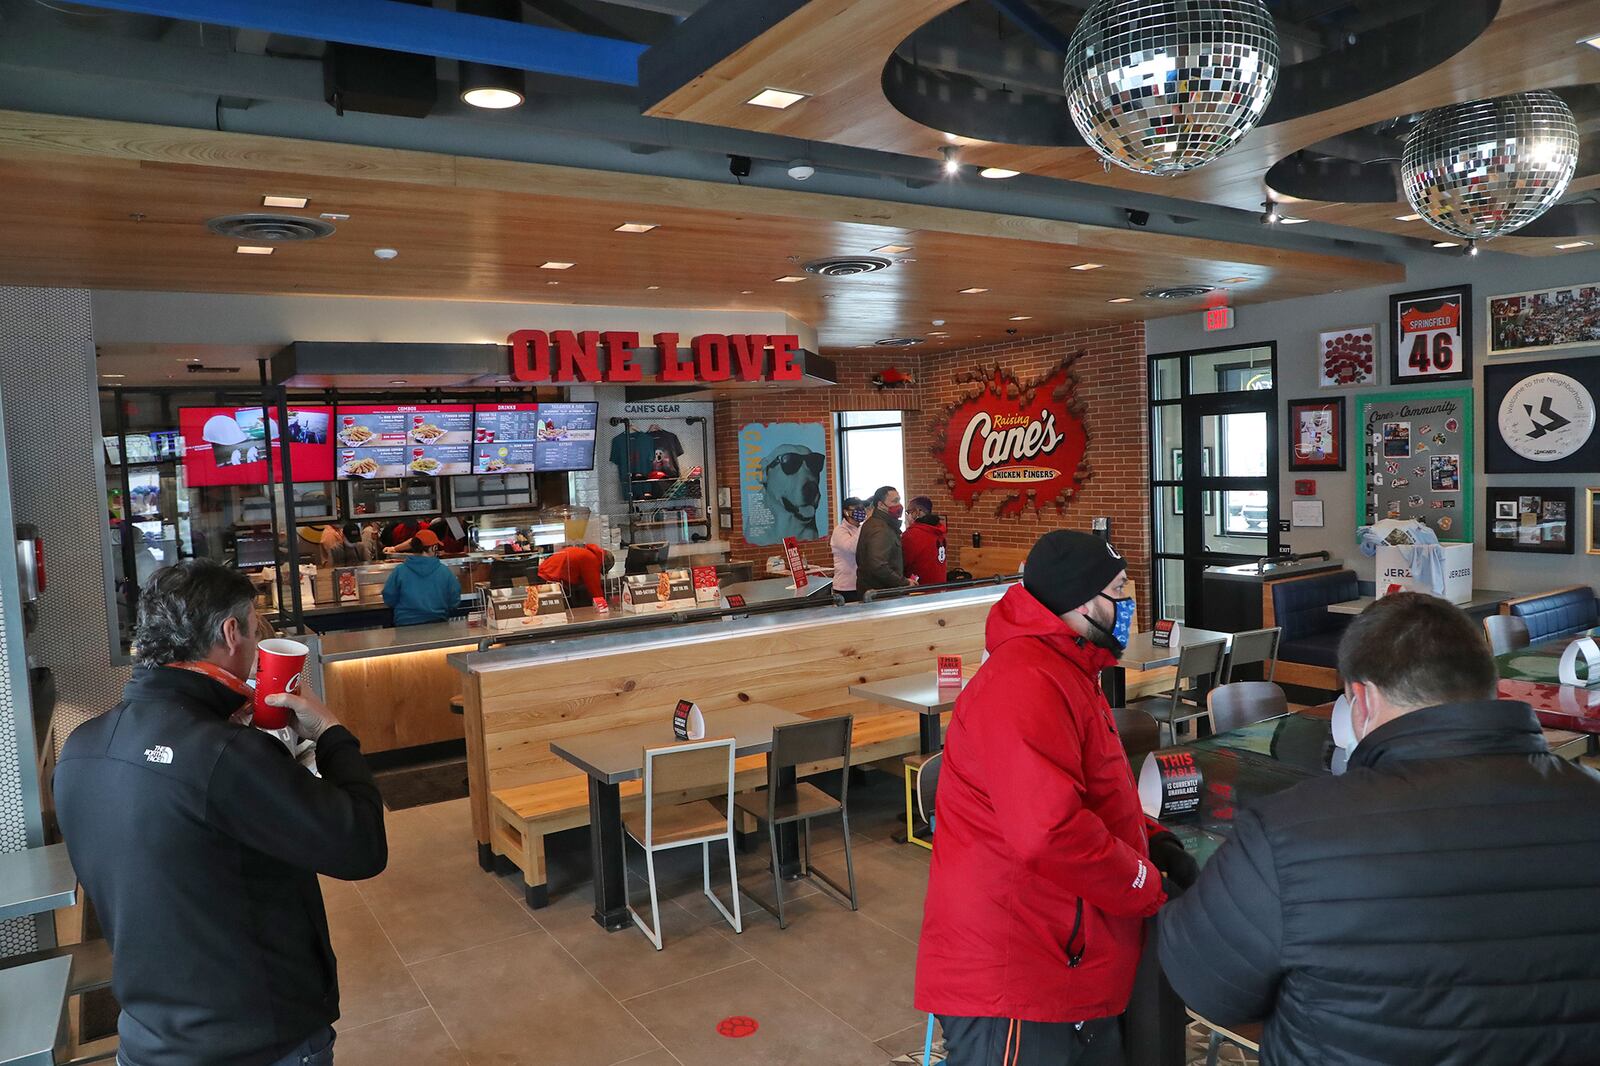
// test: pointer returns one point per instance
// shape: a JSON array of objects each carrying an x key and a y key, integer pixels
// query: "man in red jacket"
[
  {"x": 923, "y": 543},
  {"x": 1042, "y": 876}
]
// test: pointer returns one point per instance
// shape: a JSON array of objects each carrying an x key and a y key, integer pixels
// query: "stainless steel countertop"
[
  {"x": 1247, "y": 571},
  {"x": 36, "y": 880},
  {"x": 392, "y": 640},
  {"x": 602, "y": 644}
]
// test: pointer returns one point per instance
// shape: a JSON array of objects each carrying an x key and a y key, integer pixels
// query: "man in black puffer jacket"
[{"x": 1433, "y": 906}]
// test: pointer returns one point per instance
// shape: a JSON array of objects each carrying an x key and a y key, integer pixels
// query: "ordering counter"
[{"x": 392, "y": 686}]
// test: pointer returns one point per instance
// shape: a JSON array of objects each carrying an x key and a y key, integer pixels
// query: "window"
[{"x": 870, "y": 446}]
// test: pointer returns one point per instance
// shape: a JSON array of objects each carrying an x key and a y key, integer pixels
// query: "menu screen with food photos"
[
  {"x": 526, "y": 437},
  {"x": 228, "y": 445},
  {"x": 419, "y": 440}
]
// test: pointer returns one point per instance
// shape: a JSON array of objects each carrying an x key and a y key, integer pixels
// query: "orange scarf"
[{"x": 217, "y": 674}]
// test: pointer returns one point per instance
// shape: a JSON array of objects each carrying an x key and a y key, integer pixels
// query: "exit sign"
[{"x": 1219, "y": 318}]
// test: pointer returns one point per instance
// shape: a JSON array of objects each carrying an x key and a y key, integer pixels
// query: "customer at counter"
[
  {"x": 1433, "y": 904},
  {"x": 879, "y": 563},
  {"x": 580, "y": 570},
  {"x": 199, "y": 839},
  {"x": 422, "y": 589},
  {"x": 843, "y": 540},
  {"x": 1042, "y": 873},
  {"x": 923, "y": 544}
]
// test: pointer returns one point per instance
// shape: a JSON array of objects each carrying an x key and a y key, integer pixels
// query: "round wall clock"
[{"x": 1547, "y": 417}]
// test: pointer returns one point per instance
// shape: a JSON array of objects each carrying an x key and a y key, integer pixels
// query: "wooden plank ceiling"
[
  {"x": 123, "y": 206},
  {"x": 836, "y": 50}
]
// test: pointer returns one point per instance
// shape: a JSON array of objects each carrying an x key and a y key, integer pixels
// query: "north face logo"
[{"x": 160, "y": 753}]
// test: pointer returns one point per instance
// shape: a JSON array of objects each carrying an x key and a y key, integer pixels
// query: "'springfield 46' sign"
[{"x": 1027, "y": 440}]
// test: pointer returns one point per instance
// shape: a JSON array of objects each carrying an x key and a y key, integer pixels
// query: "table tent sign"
[
  {"x": 1169, "y": 784},
  {"x": 687, "y": 721},
  {"x": 1586, "y": 650},
  {"x": 949, "y": 671}
]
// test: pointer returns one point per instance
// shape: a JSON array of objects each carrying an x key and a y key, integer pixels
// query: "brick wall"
[{"x": 1111, "y": 377}]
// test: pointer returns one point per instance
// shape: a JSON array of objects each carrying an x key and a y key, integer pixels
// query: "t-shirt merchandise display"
[{"x": 641, "y": 453}]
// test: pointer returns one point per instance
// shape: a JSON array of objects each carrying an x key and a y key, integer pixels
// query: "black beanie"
[{"x": 1067, "y": 568}]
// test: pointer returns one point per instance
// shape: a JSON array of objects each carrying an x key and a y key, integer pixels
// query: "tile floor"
[{"x": 440, "y": 963}]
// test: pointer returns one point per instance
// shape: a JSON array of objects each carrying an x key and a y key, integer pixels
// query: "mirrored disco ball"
[
  {"x": 1485, "y": 168},
  {"x": 1165, "y": 86}
]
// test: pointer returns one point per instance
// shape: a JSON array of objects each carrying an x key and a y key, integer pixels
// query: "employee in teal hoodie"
[{"x": 422, "y": 589}]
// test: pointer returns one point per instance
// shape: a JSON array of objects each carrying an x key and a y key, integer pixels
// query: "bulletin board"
[{"x": 1416, "y": 460}]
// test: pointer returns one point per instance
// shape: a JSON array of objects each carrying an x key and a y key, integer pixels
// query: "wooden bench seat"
[{"x": 522, "y": 816}]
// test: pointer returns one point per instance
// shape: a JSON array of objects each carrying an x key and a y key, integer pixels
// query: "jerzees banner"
[
  {"x": 565, "y": 357},
  {"x": 1026, "y": 439}
]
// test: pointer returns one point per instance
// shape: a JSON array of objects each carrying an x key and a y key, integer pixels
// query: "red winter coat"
[
  {"x": 923, "y": 546},
  {"x": 1038, "y": 826}
]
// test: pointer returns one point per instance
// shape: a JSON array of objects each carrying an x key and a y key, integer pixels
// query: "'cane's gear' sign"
[{"x": 1028, "y": 440}]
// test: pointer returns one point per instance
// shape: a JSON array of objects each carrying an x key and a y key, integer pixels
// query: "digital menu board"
[
  {"x": 526, "y": 437},
  {"x": 228, "y": 445},
  {"x": 429, "y": 440}
]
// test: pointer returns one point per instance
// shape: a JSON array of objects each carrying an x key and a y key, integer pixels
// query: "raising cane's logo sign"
[{"x": 1025, "y": 439}]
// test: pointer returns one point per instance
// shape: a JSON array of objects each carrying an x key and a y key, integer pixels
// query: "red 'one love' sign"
[{"x": 565, "y": 357}]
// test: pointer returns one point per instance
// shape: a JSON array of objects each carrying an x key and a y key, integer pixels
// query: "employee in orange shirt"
[{"x": 580, "y": 570}]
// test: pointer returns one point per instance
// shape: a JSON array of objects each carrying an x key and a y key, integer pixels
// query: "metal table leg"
[
  {"x": 928, "y": 733},
  {"x": 606, "y": 856},
  {"x": 1114, "y": 683},
  {"x": 788, "y": 834}
]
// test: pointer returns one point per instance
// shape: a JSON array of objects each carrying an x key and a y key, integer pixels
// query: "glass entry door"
[{"x": 1214, "y": 470}]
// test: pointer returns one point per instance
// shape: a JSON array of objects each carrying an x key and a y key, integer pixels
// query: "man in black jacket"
[
  {"x": 199, "y": 840},
  {"x": 879, "y": 561},
  {"x": 1433, "y": 906}
]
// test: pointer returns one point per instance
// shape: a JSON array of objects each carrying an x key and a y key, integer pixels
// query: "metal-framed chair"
[
  {"x": 1242, "y": 703},
  {"x": 1254, "y": 646},
  {"x": 1506, "y": 632},
  {"x": 1140, "y": 733},
  {"x": 826, "y": 740},
  {"x": 921, "y": 780},
  {"x": 666, "y": 823},
  {"x": 1182, "y": 703}
]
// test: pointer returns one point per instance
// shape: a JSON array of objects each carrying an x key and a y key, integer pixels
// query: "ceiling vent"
[
  {"x": 844, "y": 265},
  {"x": 1176, "y": 292},
  {"x": 899, "y": 342},
  {"x": 270, "y": 229}
]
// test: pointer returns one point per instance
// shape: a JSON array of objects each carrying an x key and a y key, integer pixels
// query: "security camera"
[
  {"x": 739, "y": 166},
  {"x": 1012, "y": 331},
  {"x": 800, "y": 170}
]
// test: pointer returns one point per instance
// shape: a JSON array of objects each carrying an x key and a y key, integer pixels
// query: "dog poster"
[{"x": 783, "y": 481}]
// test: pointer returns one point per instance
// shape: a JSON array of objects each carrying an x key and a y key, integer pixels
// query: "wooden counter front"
[{"x": 396, "y": 701}]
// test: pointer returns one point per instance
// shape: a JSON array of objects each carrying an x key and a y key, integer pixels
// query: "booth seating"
[
  {"x": 521, "y": 792},
  {"x": 1552, "y": 614},
  {"x": 1308, "y": 651}
]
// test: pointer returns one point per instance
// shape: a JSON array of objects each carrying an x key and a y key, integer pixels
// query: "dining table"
[
  {"x": 922, "y": 693},
  {"x": 1142, "y": 653},
  {"x": 615, "y": 756},
  {"x": 1532, "y": 674}
]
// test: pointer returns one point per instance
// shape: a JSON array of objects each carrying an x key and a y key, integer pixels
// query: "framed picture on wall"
[
  {"x": 1430, "y": 336},
  {"x": 1530, "y": 519},
  {"x": 1347, "y": 357},
  {"x": 1592, "y": 505},
  {"x": 1415, "y": 449},
  {"x": 1542, "y": 416},
  {"x": 1538, "y": 321},
  {"x": 1316, "y": 434}
]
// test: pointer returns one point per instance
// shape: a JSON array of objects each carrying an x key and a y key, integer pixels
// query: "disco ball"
[
  {"x": 1165, "y": 86},
  {"x": 1482, "y": 169}
]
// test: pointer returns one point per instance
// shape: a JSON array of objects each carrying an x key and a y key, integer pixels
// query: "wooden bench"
[{"x": 805, "y": 663}]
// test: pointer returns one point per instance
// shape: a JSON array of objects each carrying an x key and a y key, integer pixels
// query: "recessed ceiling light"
[
  {"x": 1574, "y": 244},
  {"x": 635, "y": 227},
  {"x": 1407, "y": 218},
  {"x": 893, "y": 249},
  {"x": 1121, "y": 300},
  {"x": 1592, "y": 42},
  {"x": 997, "y": 172},
  {"x": 113, "y": 375},
  {"x": 335, "y": 216},
  {"x": 747, "y": 292},
  {"x": 490, "y": 87},
  {"x": 789, "y": 279},
  {"x": 1020, "y": 318},
  {"x": 1088, "y": 266},
  {"x": 777, "y": 99},
  {"x": 1233, "y": 281},
  {"x": 972, "y": 292},
  {"x": 652, "y": 288},
  {"x": 492, "y": 99},
  {"x": 1447, "y": 244},
  {"x": 397, "y": 381},
  {"x": 939, "y": 333},
  {"x": 284, "y": 201},
  {"x": 385, "y": 254},
  {"x": 552, "y": 283},
  {"x": 502, "y": 381},
  {"x": 255, "y": 249},
  {"x": 1291, "y": 220},
  {"x": 556, "y": 265}
]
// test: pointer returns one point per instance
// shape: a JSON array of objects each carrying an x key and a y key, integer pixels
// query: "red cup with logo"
[
  {"x": 278, "y": 666},
  {"x": 488, "y": 436},
  {"x": 349, "y": 421}
]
